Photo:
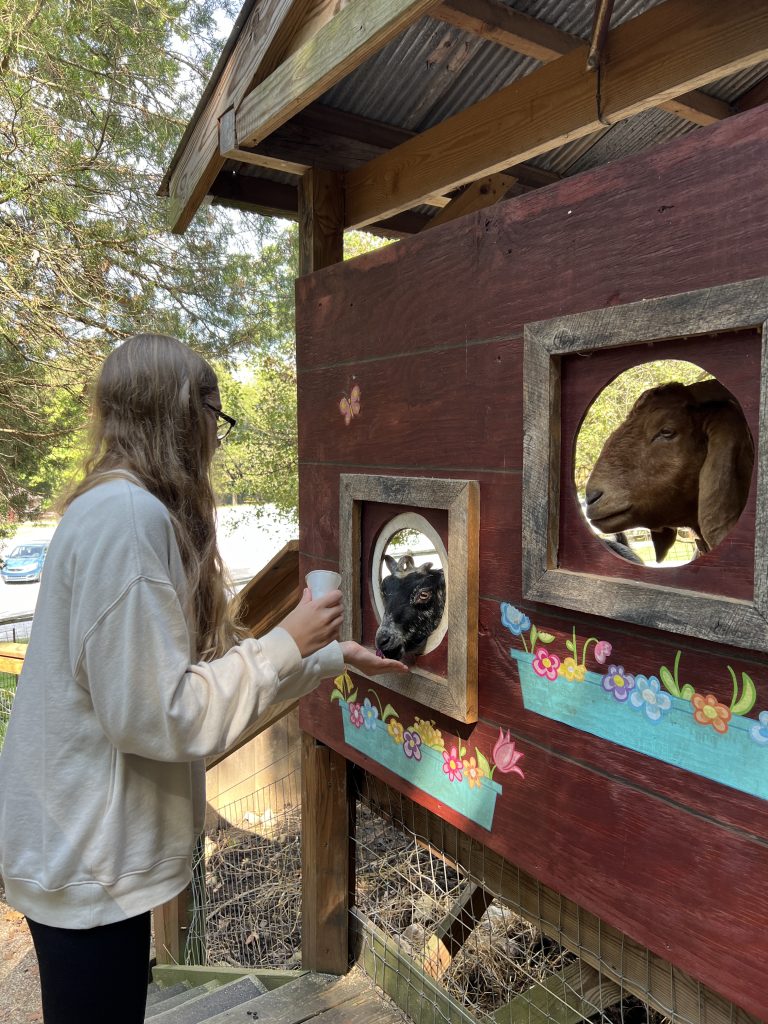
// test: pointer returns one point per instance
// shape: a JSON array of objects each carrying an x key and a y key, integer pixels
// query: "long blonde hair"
[{"x": 149, "y": 419}]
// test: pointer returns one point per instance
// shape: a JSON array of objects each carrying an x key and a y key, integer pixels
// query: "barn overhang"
[{"x": 426, "y": 111}]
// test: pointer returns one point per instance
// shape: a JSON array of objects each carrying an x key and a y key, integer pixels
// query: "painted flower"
[
  {"x": 759, "y": 731},
  {"x": 546, "y": 664},
  {"x": 517, "y": 622},
  {"x": 570, "y": 669},
  {"x": 618, "y": 682},
  {"x": 648, "y": 696},
  {"x": 370, "y": 714},
  {"x": 395, "y": 730},
  {"x": 356, "y": 715},
  {"x": 709, "y": 711},
  {"x": 505, "y": 756},
  {"x": 473, "y": 771},
  {"x": 603, "y": 651},
  {"x": 431, "y": 736},
  {"x": 452, "y": 765},
  {"x": 412, "y": 745}
]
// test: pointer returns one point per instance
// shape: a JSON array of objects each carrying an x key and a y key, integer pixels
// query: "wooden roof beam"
[
  {"x": 341, "y": 45},
  {"x": 261, "y": 44},
  {"x": 477, "y": 196},
  {"x": 557, "y": 102},
  {"x": 496, "y": 22},
  {"x": 755, "y": 96}
]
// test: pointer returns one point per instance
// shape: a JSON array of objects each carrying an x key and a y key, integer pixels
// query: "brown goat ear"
[
  {"x": 726, "y": 474},
  {"x": 663, "y": 540}
]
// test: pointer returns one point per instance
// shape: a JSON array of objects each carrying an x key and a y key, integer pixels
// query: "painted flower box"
[
  {"x": 733, "y": 753},
  {"x": 432, "y": 770}
]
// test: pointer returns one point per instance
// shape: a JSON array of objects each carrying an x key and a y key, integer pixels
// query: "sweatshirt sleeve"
[{"x": 151, "y": 702}]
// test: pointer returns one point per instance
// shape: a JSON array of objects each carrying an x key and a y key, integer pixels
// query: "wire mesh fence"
[
  {"x": 247, "y": 879},
  {"x": 456, "y": 933},
  {"x": 13, "y": 631}
]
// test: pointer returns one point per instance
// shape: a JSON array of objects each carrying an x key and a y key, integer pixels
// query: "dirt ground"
[{"x": 19, "y": 983}]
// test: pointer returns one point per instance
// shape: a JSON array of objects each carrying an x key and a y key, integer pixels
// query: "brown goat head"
[{"x": 682, "y": 457}]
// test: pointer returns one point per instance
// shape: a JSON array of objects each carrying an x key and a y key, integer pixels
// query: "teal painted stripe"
[
  {"x": 477, "y": 803},
  {"x": 733, "y": 758}
]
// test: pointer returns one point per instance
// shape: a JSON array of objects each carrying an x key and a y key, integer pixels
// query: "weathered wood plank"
[
  {"x": 478, "y": 195},
  {"x": 498, "y": 23},
  {"x": 557, "y": 102},
  {"x": 321, "y": 221},
  {"x": 12, "y": 658},
  {"x": 261, "y": 44},
  {"x": 327, "y": 876},
  {"x": 572, "y": 995},
  {"x": 361, "y": 29},
  {"x": 417, "y": 995}
]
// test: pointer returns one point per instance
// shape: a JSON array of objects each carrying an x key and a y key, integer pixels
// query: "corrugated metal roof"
[{"x": 434, "y": 70}]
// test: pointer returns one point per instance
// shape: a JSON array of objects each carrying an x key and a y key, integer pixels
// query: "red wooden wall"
[{"x": 431, "y": 329}]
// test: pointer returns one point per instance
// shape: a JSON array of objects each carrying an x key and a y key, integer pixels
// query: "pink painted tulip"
[
  {"x": 603, "y": 651},
  {"x": 505, "y": 756}
]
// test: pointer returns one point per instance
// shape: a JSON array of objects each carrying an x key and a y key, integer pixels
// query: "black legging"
[{"x": 93, "y": 975}]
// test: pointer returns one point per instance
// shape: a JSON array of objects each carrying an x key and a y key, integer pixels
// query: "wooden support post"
[
  {"x": 321, "y": 220},
  {"x": 171, "y": 921},
  {"x": 327, "y": 858}
]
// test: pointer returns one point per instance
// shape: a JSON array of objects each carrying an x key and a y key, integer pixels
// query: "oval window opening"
[
  {"x": 409, "y": 572},
  {"x": 663, "y": 462}
]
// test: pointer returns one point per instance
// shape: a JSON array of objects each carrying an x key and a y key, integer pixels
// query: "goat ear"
[
  {"x": 391, "y": 564},
  {"x": 425, "y": 567},
  {"x": 663, "y": 540},
  {"x": 726, "y": 474}
]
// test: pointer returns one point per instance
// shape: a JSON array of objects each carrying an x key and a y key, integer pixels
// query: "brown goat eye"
[
  {"x": 666, "y": 433},
  {"x": 423, "y": 596}
]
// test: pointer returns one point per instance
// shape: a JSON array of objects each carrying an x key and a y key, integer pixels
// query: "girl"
[{"x": 135, "y": 673}]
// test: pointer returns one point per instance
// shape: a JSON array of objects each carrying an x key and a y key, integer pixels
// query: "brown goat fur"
[{"x": 682, "y": 457}]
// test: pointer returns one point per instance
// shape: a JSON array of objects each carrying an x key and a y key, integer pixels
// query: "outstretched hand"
[
  {"x": 315, "y": 623},
  {"x": 362, "y": 660}
]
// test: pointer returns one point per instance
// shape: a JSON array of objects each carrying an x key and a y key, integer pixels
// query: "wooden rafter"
[
  {"x": 481, "y": 193},
  {"x": 361, "y": 29},
  {"x": 262, "y": 43},
  {"x": 492, "y": 20},
  {"x": 557, "y": 102},
  {"x": 755, "y": 97}
]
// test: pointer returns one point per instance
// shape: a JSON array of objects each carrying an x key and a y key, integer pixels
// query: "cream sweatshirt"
[{"x": 102, "y": 783}]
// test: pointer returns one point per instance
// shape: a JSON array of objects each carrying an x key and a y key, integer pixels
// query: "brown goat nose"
[{"x": 592, "y": 495}]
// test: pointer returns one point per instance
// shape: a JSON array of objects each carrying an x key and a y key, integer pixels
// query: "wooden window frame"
[
  {"x": 741, "y": 623},
  {"x": 455, "y": 694}
]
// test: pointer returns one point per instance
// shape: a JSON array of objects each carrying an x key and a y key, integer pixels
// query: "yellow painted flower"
[
  {"x": 473, "y": 772},
  {"x": 395, "y": 730},
  {"x": 430, "y": 736},
  {"x": 571, "y": 670}
]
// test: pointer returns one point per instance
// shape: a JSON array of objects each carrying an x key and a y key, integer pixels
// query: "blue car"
[{"x": 25, "y": 563}]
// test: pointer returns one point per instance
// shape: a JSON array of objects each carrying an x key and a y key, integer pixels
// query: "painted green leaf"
[
  {"x": 687, "y": 692},
  {"x": 388, "y": 712},
  {"x": 483, "y": 763},
  {"x": 748, "y": 697},
  {"x": 534, "y": 636},
  {"x": 352, "y": 697},
  {"x": 337, "y": 695},
  {"x": 462, "y": 751},
  {"x": 668, "y": 681},
  {"x": 547, "y": 638}
]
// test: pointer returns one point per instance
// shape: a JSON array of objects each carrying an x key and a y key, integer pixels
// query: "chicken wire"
[{"x": 446, "y": 946}]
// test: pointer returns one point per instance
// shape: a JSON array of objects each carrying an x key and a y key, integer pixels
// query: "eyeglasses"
[{"x": 222, "y": 432}]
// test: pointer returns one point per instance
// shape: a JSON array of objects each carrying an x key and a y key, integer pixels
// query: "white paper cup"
[{"x": 322, "y": 581}]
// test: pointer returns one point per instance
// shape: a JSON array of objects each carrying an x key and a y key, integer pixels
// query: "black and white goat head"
[{"x": 414, "y": 601}]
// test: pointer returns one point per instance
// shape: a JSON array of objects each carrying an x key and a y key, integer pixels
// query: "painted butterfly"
[{"x": 350, "y": 406}]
